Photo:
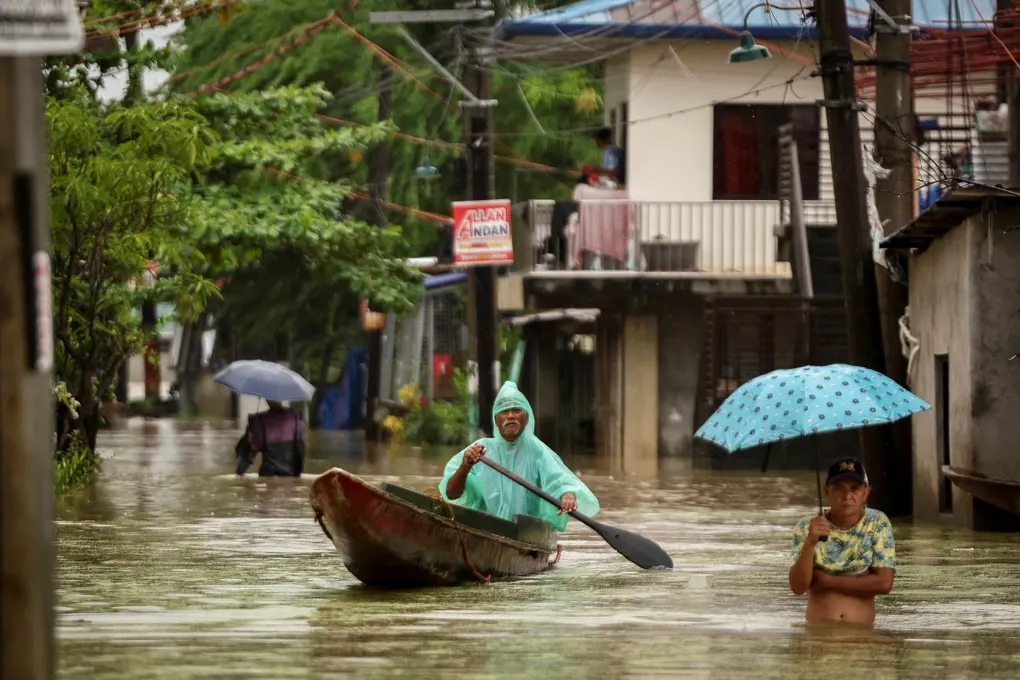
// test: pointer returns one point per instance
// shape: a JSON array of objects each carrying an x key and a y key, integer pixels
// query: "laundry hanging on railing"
[{"x": 604, "y": 227}]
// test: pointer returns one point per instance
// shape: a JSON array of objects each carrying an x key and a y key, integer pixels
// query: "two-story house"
[{"x": 703, "y": 298}]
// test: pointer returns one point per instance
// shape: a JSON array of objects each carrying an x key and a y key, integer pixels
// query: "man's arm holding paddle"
[{"x": 472, "y": 454}]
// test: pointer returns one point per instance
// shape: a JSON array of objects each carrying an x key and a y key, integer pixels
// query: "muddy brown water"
[{"x": 171, "y": 567}]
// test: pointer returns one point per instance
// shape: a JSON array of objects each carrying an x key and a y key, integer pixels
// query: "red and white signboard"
[{"x": 481, "y": 233}]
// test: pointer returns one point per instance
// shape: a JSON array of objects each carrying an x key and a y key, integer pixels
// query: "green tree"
[
  {"x": 215, "y": 188},
  {"x": 208, "y": 51},
  {"x": 565, "y": 98},
  {"x": 113, "y": 44},
  {"x": 279, "y": 230},
  {"x": 120, "y": 197}
]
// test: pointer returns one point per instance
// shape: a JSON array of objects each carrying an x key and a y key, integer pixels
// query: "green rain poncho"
[{"x": 489, "y": 491}]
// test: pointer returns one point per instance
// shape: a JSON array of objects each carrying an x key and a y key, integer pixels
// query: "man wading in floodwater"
[
  {"x": 516, "y": 448},
  {"x": 843, "y": 574}
]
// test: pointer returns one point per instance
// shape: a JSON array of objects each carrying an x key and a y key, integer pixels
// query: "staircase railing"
[{"x": 791, "y": 209}]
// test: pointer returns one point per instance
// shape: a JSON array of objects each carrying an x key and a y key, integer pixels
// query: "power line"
[
  {"x": 177, "y": 14},
  {"x": 670, "y": 114},
  {"x": 517, "y": 53},
  {"x": 238, "y": 53},
  {"x": 452, "y": 146},
  {"x": 310, "y": 31},
  {"x": 131, "y": 12}
]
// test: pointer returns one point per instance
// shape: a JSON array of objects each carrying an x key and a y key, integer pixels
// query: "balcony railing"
[{"x": 710, "y": 238}]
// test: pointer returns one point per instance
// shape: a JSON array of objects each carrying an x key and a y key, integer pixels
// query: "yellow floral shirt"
[{"x": 869, "y": 544}]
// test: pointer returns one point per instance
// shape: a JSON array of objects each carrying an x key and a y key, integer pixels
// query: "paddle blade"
[{"x": 642, "y": 551}]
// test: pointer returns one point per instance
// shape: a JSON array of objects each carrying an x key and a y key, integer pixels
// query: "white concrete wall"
[
  {"x": 616, "y": 90},
  {"x": 136, "y": 377},
  {"x": 670, "y": 145},
  {"x": 671, "y": 156},
  {"x": 941, "y": 317}
]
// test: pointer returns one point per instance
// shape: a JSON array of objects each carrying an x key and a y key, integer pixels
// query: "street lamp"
[
  {"x": 426, "y": 171},
  {"x": 749, "y": 50}
]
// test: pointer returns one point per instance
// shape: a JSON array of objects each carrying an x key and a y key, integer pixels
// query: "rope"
[
  {"x": 306, "y": 34},
  {"x": 433, "y": 493},
  {"x": 322, "y": 525},
  {"x": 909, "y": 344}
]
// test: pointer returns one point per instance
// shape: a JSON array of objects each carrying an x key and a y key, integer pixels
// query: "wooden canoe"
[
  {"x": 394, "y": 537},
  {"x": 1002, "y": 493}
]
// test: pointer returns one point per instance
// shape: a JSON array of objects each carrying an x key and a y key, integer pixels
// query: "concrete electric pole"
[
  {"x": 28, "y": 31},
  {"x": 477, "y": 130},
  {"x": 855, "y": 254},
  {"x": 894, "y": 198}
]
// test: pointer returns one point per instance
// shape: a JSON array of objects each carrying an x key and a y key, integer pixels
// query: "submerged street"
[{"x": 171, "y": 567}]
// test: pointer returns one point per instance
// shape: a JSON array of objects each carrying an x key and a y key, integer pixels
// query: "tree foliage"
[
  {"x": 120, "y": 198},
  {"x": 214, "y": 188},
  {"x": 566, "y": 98},
  {"x": 275, "y": 225},
  {"x": 107, "y": 53}
]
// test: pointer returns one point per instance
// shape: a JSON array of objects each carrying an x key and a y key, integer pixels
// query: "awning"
[
  {"x": 571, "y": 314},
  {"x": 952, "y": 208}
]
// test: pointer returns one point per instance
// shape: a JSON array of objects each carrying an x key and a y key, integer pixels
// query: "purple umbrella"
[{"x": 265, "y": 379}]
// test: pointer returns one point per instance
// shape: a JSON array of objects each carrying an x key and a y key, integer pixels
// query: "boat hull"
[
  {"x": 1002, "y": 493},
  {"x": 387, "y": 541}
]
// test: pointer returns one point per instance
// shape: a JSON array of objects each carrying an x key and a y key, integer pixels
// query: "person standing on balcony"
[{"x": 613, "y": 158}]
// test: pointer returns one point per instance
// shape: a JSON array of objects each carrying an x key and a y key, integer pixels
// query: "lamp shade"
[{"x": 748, "y": 50}]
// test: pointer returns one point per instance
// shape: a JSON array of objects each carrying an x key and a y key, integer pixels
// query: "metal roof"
[
  {"x": 715, "y": 19},
  {"x": 947, "y": 213}
]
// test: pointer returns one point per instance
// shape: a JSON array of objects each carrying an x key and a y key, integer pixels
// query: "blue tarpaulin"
[
  {"x": 444, "y": 280},
  {"x": 341, "y": 405},
  {"x": 352, "y": 389},
  {"x": 329, "y": 407}
]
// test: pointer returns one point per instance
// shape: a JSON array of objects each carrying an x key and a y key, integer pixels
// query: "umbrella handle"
[{"x": 818, "y": 480}]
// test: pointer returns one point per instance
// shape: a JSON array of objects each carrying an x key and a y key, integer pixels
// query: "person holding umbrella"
[
  {"x": 278, "y": 433},
  {"x": 843, "y": 558}
]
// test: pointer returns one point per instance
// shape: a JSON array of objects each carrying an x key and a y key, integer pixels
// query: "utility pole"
[
  {"x": 894, "y": 198},
  {"x": 477, "y": 129},
  {"x": 860, "y": 289},
  {"x": 380, "y": 170},
  {"x": 26, "y": 405},
  {"x": 28, "y": 31}
]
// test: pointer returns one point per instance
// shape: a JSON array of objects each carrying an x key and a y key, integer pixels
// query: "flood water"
[{"x": 171, "y": 567}]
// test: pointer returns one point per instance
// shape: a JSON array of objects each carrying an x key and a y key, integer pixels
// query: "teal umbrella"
[{"x": 809, "y": 400}]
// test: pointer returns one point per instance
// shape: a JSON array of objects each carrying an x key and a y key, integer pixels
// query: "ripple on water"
[{"x": 171, "y": 567}]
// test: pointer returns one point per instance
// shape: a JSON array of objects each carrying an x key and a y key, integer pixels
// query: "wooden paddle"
[{"x": 641, "y": 551}]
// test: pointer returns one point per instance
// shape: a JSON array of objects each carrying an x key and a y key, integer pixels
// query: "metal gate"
[{"x": 748, "y": 337}]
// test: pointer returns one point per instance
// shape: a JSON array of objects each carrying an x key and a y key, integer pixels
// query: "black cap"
[{"x": 847, "y": 468}]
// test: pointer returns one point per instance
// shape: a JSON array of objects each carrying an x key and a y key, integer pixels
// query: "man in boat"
[
  {"x": 516, "y": 448},
  {"x": 278, "y": 434},
  {"x": 855, "y": 561}
]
